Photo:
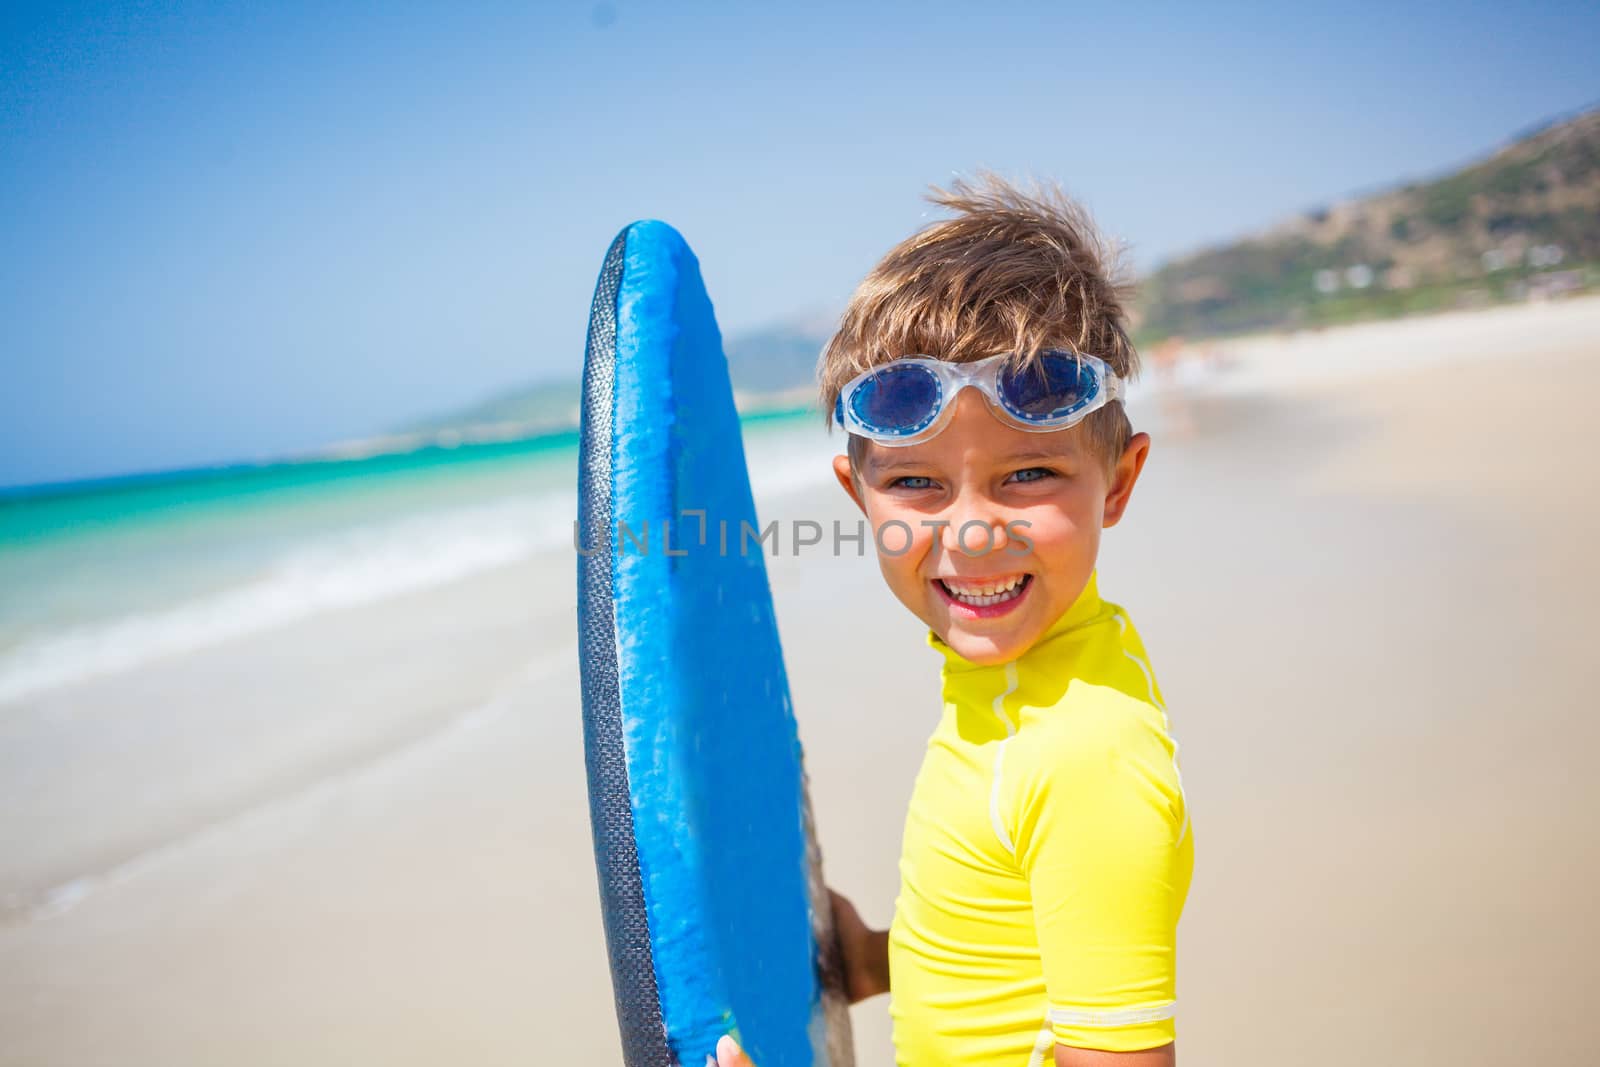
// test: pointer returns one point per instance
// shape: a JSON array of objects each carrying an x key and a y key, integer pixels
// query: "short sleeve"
[{"x": 1102, "y": 839}]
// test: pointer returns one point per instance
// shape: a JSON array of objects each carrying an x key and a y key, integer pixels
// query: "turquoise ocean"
[{"x": 99, "y": 577}]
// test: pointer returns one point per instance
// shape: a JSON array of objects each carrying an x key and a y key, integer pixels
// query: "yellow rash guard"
[{"x": 1046, "y": 857}]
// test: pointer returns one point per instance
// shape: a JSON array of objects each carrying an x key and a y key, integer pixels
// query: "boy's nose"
[{"x": 974, "y": 534}]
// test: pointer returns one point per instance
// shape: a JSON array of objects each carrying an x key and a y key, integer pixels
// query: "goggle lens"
[
  {"x": 1051, "y": 387},
  {"x": 901, "y": 399}
]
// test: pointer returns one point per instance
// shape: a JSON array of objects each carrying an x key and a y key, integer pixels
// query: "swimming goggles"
[{"x": 910, "y": 399}]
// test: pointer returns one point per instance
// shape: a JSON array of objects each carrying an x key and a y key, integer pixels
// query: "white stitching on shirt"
[
  {"x": 1043, "y": 1043},
  {"x": 1149, "y": 679},
  {"x": 999, "y": 758},
  {"x": 999, "y": 705},
  {"x": 994, "y": 800},
  {"x": 1144, "y": 1013}
]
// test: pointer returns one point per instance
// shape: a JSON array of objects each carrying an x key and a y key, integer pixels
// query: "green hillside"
[
  {"x": 1525, "y": 222},
  {"x": 1521, "y": 224}
]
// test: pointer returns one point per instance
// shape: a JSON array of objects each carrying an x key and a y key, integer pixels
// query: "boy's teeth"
[{"x": 981, "y": 594}]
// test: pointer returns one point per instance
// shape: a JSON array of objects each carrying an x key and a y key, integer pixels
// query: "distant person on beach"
[
  {"x": 1047, "y": 851},
  {"x": 1175, "y": 374}
]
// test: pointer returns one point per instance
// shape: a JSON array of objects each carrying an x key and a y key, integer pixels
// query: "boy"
[{"x": 1047, "y": 851}]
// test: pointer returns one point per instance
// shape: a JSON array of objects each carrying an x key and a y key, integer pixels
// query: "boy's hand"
[
  {"x": 729, "y": 1054},
  {"x": 863, "y": 951}
]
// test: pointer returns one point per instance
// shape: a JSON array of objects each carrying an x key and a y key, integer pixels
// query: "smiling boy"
[{"x": 1047, "y": 851}]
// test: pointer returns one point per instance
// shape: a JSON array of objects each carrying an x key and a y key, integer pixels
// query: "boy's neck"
[{"x": 1084, "y": 610}]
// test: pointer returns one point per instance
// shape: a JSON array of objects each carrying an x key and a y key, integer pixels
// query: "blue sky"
[{"x": 228, "y": 231}]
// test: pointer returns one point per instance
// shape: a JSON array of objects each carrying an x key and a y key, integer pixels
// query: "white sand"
[{"x": 1369, "y": 607}]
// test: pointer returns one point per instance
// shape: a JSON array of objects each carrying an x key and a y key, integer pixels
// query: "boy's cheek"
[
  {"x": 908, "y": 587},
  {"x": 898, "y": 535},
  {"x": 903, "y": 571},
  {"x": 901, "y": 557}
]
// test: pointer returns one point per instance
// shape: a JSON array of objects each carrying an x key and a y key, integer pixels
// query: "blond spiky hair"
[{"x": 1011, "y": 271}]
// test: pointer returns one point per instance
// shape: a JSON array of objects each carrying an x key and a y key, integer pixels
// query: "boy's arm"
[
  {"x": 1165, "y": 1056},
  {"x": 863, "y": 951}
]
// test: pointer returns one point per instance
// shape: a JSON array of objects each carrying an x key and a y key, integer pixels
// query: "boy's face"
[{"x": 1001, "y": 525}]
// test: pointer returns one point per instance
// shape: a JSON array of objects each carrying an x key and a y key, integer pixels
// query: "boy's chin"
[{"x": 985, "y": 648}]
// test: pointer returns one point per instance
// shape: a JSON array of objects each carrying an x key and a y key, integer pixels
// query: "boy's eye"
[
  {"x": 1032, "y": 474},
  {"x": 912, "y": 481}
]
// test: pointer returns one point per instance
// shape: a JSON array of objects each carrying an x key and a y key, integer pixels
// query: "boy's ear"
[
  {"x": 1123, "y": 477},
  {"x": 847, "y": 478}
]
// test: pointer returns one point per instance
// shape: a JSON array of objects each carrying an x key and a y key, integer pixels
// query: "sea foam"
[{"x": 356, "y": 566}]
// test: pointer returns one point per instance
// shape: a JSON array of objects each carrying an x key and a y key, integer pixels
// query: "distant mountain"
[
  {"x": 1523, "y": 222},
  {"x": 775, "y": 359},
  {"x": 771, "y": 367},
  {"x": 548, "y": 405}
]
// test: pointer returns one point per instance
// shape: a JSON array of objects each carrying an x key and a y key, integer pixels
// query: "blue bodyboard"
[{"x": 716, "y": 917}]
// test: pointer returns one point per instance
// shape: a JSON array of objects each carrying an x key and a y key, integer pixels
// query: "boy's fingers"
[{"x": 729, "y": 1054}]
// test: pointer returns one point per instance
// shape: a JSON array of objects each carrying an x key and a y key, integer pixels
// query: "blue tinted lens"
[
  {"x": 898, "y": 400},
  {"x": 1051, "y": 387}
]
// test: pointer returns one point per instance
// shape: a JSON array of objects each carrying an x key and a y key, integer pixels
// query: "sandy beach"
[{"x": 1362, "y": 561}]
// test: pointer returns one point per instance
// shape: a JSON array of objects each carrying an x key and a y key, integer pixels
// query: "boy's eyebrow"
[
  {"x": 1032, "y": 455},
  {"x": 1038, "y": 454},
  {"x": 883, "y": 466}
]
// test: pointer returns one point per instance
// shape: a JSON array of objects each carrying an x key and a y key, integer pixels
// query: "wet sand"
[{"x": 1369, "y": 605}]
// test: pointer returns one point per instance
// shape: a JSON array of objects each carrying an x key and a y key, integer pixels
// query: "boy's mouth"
[{"x": 991, "y": 596}]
